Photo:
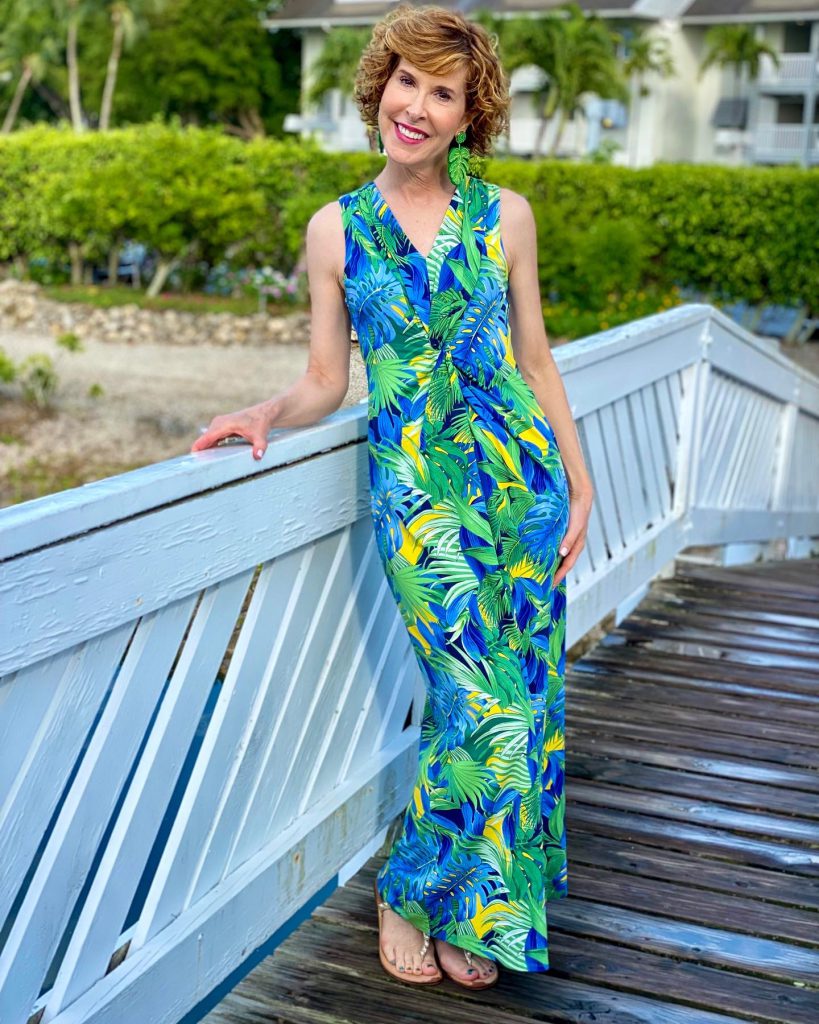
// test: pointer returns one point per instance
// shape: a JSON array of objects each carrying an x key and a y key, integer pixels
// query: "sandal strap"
[
  {"x": 383, "y": 905},
  {"x": 468, "y": 955}
]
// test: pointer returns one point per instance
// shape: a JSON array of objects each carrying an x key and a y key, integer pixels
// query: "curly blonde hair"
[{"x": 439, "y": 42}]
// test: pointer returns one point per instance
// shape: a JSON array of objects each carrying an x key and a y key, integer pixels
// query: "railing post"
[
  {"x": 692, "y": 426},
  {"x": 784, "y": 450}
]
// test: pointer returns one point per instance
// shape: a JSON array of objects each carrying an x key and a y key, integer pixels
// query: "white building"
[{"x": 718, "y": 118}]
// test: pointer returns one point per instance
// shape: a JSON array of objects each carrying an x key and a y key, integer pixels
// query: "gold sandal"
[
  {"x": 476, "y": 982},
  {"x": 389, "y": 966}
]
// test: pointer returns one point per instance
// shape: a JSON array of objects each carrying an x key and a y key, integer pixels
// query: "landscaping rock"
[{"x": 24, "y": 305}]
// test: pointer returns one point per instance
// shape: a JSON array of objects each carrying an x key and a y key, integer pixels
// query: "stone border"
[{"x": 23, "y": 305}]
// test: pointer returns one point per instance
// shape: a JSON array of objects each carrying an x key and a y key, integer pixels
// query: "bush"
[{"x": 198, "y": 198}]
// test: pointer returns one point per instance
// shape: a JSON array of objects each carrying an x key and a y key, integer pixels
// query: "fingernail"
[
  {"x": 259, "y": 453},
  {"x": 564, "y": 550}
]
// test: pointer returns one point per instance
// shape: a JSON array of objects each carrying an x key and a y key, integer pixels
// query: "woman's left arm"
[{"x": 536, "y": 363}]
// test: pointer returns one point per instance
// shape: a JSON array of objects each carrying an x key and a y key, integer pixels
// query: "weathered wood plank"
[{"x": 692, "y": 837}]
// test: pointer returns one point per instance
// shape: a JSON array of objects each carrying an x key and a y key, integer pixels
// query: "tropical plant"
[
  {"x": 575, "y": 52},
  {"x": 128, "y": 21},
  {"x": 335, "y": 67},
  {"x": 735, "y": 46},
  {"x": 73, "y": 11},
  {"x": 27, "y": 47}
]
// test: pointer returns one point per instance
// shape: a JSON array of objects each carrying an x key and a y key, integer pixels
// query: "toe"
[
  {"x": 415, "y": 961},
  {"x": 430, "y": 967}
]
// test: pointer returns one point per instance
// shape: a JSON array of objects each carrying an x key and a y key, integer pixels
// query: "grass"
[
  {"x": 36, "y": 477},
  {"x": 193, "y": 302}
]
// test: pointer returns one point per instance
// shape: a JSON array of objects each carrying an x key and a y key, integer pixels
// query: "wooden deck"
[{"x": 693, "y": 835}]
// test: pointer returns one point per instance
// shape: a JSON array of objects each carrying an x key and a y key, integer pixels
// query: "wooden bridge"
[
  {"x": 209, "y": 717},
  {"x": 692, "y": 757}
]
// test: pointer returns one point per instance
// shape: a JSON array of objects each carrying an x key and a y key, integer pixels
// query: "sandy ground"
[{"x": 154, "y": 400}]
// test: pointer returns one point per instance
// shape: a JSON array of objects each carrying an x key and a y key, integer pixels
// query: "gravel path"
[{"x": 154, "y": 400}]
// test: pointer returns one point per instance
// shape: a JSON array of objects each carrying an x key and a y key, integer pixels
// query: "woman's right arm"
[{"x": 323, "y": 385}]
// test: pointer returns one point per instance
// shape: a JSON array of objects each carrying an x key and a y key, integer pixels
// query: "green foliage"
[
  {"x": 735, "y": 233},
  {"x": 204, "y": 61},
  {"x": 70, "y": 341},
  {"x": 735, "y": 46},
  {"x": 8, "y": 368},
  {"x": 336, "y": 65},
  {"x": 566, "y": 320},
  {"x": 576, "y": 53},
  {"x": 38, "y": 379},
  {"x": 605, "y": 232}
]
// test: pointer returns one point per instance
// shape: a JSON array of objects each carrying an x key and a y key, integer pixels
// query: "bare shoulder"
[
  {"x": 517, "y": 224},
  {"x": 325, "y": 241}
]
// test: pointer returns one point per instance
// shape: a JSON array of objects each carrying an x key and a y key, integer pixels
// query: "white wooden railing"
[{"x": 167, "y": 806}]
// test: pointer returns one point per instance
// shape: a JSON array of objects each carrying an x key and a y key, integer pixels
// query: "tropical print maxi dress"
[{"x": 469, "y": 502}]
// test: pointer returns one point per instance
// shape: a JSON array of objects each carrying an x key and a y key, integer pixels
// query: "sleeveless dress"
[{"x": 469, "y": 502}]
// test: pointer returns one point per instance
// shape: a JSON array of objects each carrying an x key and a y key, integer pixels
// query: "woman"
[{"x": 480, "y": 500}]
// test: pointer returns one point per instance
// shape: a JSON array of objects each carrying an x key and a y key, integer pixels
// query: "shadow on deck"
[{"x": 692, "y": 757}]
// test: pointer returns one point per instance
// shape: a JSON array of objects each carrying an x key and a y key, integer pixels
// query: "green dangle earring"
[{"x": 458, "y": 160}]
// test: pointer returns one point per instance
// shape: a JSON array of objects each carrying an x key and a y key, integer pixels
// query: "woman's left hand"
[{"x": 574, "y": 540}]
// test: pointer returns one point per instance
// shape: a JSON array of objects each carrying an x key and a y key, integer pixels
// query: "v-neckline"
[{"x": 397, "y": 222}]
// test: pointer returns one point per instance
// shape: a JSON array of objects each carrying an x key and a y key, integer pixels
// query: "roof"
[
  {"x": 304, "y": 13},
  {"x": 752, "y": 10},
  {"x": 326, "y": 13}
]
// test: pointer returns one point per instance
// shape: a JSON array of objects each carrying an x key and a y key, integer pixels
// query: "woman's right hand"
[{"x": 253, "y": 424}]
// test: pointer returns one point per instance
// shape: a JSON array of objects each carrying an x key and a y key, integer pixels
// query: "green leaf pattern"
[{"x": 469, "y": 501}]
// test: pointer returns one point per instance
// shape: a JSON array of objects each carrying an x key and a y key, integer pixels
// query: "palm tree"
[
  {"x": 128, "y": 20},
  {"x": 33, "y": 67},
  {"x": 735, "y": 45},
  {"x": 27, "y": 47},
  {"x": 647, "y": 55},
  {"x": 336, "y": 65},
  {"x": 73, "y": 15},
  {"x": 577, "y": 55}
]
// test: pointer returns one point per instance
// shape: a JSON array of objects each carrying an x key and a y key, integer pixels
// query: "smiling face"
[{"x": 420, "y": 113}]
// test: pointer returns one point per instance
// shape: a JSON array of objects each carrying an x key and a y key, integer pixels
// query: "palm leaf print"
[
  {"x": 466, "y": 779},
  {"x": 446, "y": 312},
  {"x": 388, "y": 377},
  {"x": 468, "y": 496},
  {"x": 448, "y": 238},
  {"x": 479, "y": 339}
]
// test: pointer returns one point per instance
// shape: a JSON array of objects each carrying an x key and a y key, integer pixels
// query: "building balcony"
[
  {"x": 792, "y": 75},
  {"x": 785, "y": 143}
]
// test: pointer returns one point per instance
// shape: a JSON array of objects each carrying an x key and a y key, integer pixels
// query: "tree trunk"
[
  {"x": 113, "y": 264},
  {"x": 75, "y": 252},
  {"x": 74, "y": 101},
  {"x": 251, "y": 124},
  {"x": 111, "y": 72},
  {"x": 633, "y": 131},
  {"x": 561, "y": 120},
  {"x": 541, "y": 133},
  {"x": 56, "y": 102},
  {"x": 17, "y": 99},
  {"x": 164, "y": 269}
]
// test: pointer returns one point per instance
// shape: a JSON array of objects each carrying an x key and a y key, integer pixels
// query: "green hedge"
[{"x": 604, "y": 231}]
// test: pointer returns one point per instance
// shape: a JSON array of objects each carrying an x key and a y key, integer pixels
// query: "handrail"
[{"x": 208, "y": 701}]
